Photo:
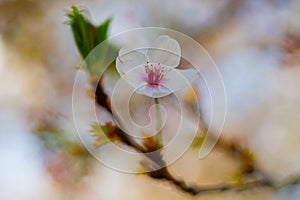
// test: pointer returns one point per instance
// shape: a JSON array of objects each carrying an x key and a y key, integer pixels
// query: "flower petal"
[
  {"x": 154, "y": 92},
  {"x": 136, "y": 76},
  {"x": 176, "y": 79},
  {"x": 164, "y": 50},
  {"x": 129, "y": 59}
]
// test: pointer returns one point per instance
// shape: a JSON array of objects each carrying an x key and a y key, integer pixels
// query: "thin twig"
[{"x": 164, "y": 174}]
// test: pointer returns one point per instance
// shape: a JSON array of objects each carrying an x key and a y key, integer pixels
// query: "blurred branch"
[
  {"x": 87, "y": 37},
  {"x": 196, "y": 190}
]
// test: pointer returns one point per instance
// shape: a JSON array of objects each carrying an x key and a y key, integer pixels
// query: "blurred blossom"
[
  {"x": 264, "y": 20},
  {"x": 22, "y": 172},
  {"x": 288, "y": 79},
  {"x": 249, "y": 77},
  {"x": 276, "y": 143},
  {"x": 170, "y": 14},
  {"x": 245, "y": 38},
  {"x": 289, "y": 192}
]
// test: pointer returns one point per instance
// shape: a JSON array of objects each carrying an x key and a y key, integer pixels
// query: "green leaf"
[
  {"x": 99, "y": 132},
  {"x": 102, "y": 32},
  {"x": 86, "y": 35},
  {"x": 198, "y": 141},
  {"x": 104, "y": 133}
]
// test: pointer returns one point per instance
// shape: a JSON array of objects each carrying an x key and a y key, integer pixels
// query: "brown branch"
[
  {"x": 163, "y": 173},
  {"x": 100, "y": 96},
  {"x": 196, "y": 190},
  {"x": 103, "y": 100}
]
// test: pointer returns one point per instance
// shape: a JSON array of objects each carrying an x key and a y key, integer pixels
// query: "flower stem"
[{"x": 158, "y": 124}]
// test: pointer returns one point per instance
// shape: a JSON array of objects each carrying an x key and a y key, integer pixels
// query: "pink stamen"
[{"x": 154, "y": 74}]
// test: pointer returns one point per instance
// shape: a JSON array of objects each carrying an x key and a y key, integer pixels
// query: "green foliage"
[
  {"x": 99, "y": 132},
  {"x": 248, "y": 155},
  {"x": 86, "y": 35},
  {"x": 239, "y": 178},
  {"x": 57, "y": 139},
  {"x": 198, "y": 141},
  {"x": 104, "y": 133}
]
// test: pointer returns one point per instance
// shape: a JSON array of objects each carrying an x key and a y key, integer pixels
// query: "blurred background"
[{"x": 256, "y": 45}]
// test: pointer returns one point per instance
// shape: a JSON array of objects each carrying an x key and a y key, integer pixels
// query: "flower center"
[{"x": 155, "y": 73}]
